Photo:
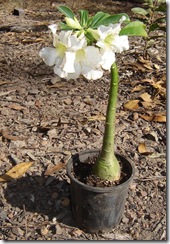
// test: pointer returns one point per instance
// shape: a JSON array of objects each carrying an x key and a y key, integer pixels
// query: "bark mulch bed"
[{"x": 44, "y": 119}]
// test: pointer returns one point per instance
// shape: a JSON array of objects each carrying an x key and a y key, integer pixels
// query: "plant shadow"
[{"x": 43, "y": 195}]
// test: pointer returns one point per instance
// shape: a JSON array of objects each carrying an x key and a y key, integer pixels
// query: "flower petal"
[
  {"x": 107, "y": 59},
  {"x": 77, "y": 43},
  {"x": 53, "y": 28},
  {"x": 120, "y": 44},
  {"x": 92, "y": 56},
  {"x": 49, "y": 55},
  {"x": 91, "y": 74},
  {"x": 68, "y": 62}
]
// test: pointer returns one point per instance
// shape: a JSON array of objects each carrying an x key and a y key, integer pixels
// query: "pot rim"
[{"x": 69, "y": 168}]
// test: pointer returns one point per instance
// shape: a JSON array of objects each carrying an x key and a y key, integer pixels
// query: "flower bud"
[{"x": 73, "y": 23}]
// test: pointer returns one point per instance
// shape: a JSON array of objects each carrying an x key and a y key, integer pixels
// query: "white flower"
[
  {"x": 71, "y": 56},
  {"x": 110, "y": 39},
  {"x": 107, "y": 58},
  {"x": 110, "y": 43}
]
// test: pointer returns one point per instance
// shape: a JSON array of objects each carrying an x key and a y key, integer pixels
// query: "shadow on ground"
[{"x": 42, "y": 195}]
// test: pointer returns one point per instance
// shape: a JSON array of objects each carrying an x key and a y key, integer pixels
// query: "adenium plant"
[{"x": 87, "y": 47}]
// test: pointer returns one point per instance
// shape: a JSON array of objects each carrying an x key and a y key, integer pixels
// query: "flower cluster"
[
  {"x": 87, "y": 47},
  {"x": 72, "y": 56}
]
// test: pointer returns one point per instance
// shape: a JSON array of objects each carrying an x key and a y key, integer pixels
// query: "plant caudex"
[{"x": 87, "y": 47}]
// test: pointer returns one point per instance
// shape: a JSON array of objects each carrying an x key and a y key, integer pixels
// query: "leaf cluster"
[
  {"x": 89, "y": 23},
  {"x": 153, "y": 15}
]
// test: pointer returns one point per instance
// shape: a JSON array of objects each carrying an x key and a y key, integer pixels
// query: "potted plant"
[{"x": 99, "y": 178}]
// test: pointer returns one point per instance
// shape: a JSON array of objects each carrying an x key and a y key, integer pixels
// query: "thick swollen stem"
[{"x": 107, "y": 167}]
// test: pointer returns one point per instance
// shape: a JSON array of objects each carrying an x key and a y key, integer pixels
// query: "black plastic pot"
[{"x": 97, "y": 208}]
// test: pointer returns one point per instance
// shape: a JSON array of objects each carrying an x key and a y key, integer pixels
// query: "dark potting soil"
[{"x": 83, "y": 171}]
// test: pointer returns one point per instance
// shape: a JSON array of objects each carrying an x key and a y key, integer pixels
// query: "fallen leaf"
[
  {"x": 146, "y": 117},
  {"x": 159, "y": 118},
  {"x": 154, "y": 117},
  {"x": 138, "y": 88},
  {"x": 132, "y": 105},
  {"x": 57, "y": 85},
  {"x": 6, "y": 93},
  {"x": 77, "y": 232},
  {"x": 16, "y": 172},
  {"x": 157, "y": 66},
  {"x": 4, "y": 82},
  {"x": 54, "y": 169},
  {"x": 142, "y": 149},
  {"x": 9, "y": 137},
  {"x": 146, "y": 97},
  {"x": 44, "y": 230},
  {"x": 147, "y": 105},
  {"x": 147, "y": 66},
  {"x": 16, "y": 106},
  {"x": 99, "y": 117}
]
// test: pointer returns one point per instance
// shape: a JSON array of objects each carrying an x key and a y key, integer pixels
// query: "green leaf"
[
  {"x": 98, "y": 17},
  {"x": 63, "y": 26},
  {"x": 161, "y": 8},
  {"x": 84, "y": 17},
  {"x": 135, "y": 28},
  {"x": 89, "y": 37},
  {"x": 111, "y": 19},
  {"x": 141, "y": 11},
  {"x": 153, "y": 27},
  {"x": 66, "y": 11}
]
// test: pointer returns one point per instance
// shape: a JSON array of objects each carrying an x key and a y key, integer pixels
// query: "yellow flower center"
[
  {"x": 80, "y": 55},
  {"x": 61, "y": 49}
]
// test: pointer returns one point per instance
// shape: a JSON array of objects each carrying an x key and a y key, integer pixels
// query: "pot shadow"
[{"x": 43, "y": 195}]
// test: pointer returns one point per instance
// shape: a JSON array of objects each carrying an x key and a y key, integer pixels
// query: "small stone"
[
  {"x": 5, "y": 112},
  {"x": 67, "y": 101},
  {"x": 65, "y": 201},
  {"x": 34, "y": 91},
  {"x": 52, "y": 133},
  {"x": 54, "y": 195},
  {"x": 44, "y": 142}
]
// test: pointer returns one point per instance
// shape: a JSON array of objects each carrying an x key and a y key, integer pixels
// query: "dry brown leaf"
[
  {"x": 132, "y": 105},
  {"x": 57, "y": 85},
  {"x": 157, "y": 66},
  {"x": 139, "y": 67},
  {"x": 147, "y": 105},
  {"x": 4, "y": 82},
  {"x": 9, "y": 137},
  {"x": 144, "y": 61},
  {"x": 16, "y": 172},
  {"x": 16, "y": 106},
  {"x": 146, "y": 117},
  {"x": 146, "y": 97},
  {"x": 159, "y": 118},
  {"x": 6, "y": 93},
  {"x": 154, "y": 117},
  {"x": 142, "y": 149},
  {"x": 54, "y": 169},
  {"x": 77, "y": 232},
  {"x": 138, "y": 88},
  {"x": 99, "y": 117},
  {"x": 147, "y": 66}
]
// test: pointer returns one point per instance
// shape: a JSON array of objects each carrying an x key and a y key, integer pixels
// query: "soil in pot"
[
  {"x": 97, "y": 208},
  {"x": 82, "y": 171}
]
